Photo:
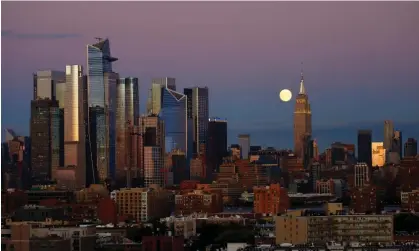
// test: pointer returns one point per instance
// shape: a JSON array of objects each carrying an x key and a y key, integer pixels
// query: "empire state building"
[{"x": 302, "y": 120}]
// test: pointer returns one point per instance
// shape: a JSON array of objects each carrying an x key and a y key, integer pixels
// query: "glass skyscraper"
[
  {"x": 174, "y": 115},
  {"x": 127, "y": 112},
  {"x": 155, "y": 96},
  {"x": 198, "y": 112},
  {"x": 45, "y": 138},
  {"x": 102, "y": 108}
]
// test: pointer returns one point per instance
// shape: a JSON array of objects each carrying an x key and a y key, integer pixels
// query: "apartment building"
[
  {"x": 144, "y": 204},
  {"x": 296, "y": 229},
  {"x": 271, "y": 199}
]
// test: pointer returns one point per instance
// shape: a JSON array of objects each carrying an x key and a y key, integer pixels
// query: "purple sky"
[{"x": 361, "y": 59}]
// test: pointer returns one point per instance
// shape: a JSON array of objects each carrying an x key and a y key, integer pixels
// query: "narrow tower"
[{"x": 302, "y": 119}]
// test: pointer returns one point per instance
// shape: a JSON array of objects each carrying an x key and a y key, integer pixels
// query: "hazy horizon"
[{"x": 360, "y": 58}]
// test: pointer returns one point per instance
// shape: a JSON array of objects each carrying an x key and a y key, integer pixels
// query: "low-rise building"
[
  {"x": 144, "y": 204},
  {"x": 33, "y": 237},
  {"x": 199, "y": 201},
  {"x": 271, "y": 199},
  {"x": 297, "y": 229}
]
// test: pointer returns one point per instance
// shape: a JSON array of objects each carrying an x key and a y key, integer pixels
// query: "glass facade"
[
  {"x": 74, "y": 121},
  {"x": 127, "y": 110},
  {"x": 153, "y": 166},
  {"x": 217, "y": 144},
  {"x": 365, "y": 147},
  {"x": 102, "y": 109},
  {"x": 244, "y": 142},
  {"x": 121, "y": 125},
  {"x": 155, "y": 96},
  {"x": 174, "y": 115},
  {"x": 198, "y": 110},
  {"x": 45, "y": 138},
  {"x": 45, "y": 84},
  {"x": 99, "y": 61},
  {"x": 132, "y": 100},
  {"x": 73, "y": 103},
  {"x": 55, "y": 136}
]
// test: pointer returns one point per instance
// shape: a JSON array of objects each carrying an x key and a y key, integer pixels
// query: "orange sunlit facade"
[{"x": 271, "y": 199}]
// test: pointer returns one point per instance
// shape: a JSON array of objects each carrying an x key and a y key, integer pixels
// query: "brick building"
[
  {"x": 162, "y": 243},
  {"x": 325, "y": 186},
  {"x": 271, "y": 199},
  {"x": 199, "y": 201},
  {"x": 366, "y": 199}
]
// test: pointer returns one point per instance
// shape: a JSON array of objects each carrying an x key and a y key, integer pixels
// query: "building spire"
[{"x": 302, "y": 89}]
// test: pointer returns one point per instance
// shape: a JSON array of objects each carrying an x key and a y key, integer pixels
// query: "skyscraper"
[
  {"x": 302, "y": 119},
  {"x": 44, "y": 84},
  {"x": 173, "y": 113},
  {"x": 74, "y": 123},
  {"x": 378, "y": 154},
  {"x": 151, "y": 150},
  {"x": 397, "y": 143},
  {"x": 155, "y": 96},
  {"x": 127, "y": 113},
  {"x": 217, "y": 144},
  {"x": 244, "y": 143},
  {"x": 45, "y": 142},
  {"x": 60, "y": 93},
  {"x": 198, "y": 112},
  {"x": 364, "y": 147},
  {"x": 101, "y": 115},
  {"x": 388, "y": 135},
  {"x": 410, "y": 148}
]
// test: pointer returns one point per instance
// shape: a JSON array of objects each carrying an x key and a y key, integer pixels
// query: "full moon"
[{"x": 285, "y": 95}]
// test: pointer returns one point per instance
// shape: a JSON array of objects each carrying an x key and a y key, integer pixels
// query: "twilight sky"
[{"x": 361, "y": 59}]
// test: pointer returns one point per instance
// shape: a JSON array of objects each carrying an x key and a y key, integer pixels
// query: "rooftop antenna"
[{"x": 302, "y": 77}]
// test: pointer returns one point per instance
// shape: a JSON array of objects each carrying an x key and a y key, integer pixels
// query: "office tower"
[
  {"x": 155, "y": 95},
  {"x": 177, "y": 166},
  {"x": 315, "y": 150},
  {"x": 315, "y": 174},
  {"x": 173, "y": 113},
  {"x": 153, "y": 166},
  {"x": 74, "y": 123},
  {"x": 45, "y": 144},
  {"x": 44, "y": 84},
  {"x": 364, "y": 147},
  {"x": 198, "y": 112},
  {"x": 388, "y": 135},
  {"x": 397, "y": 143},
  {"x": 302, "y": 119},
  {"x": 60, "y": 93},
  {"x": 152, "y": 131},
  {"x": 362, "y": 174},
  {"x": 217, "y": 144},
  {"x": 378, "y": 154},
  {"x": 338, "y": 153},
  {"x": 410, "y": 148},
  {"x": 101, "y": 82},
  {"x": 152, "y": 150},
  {"x": 244, "y": 143},
  {"x": 127, "y": 114},
  {"x": 308, "y": 151}
]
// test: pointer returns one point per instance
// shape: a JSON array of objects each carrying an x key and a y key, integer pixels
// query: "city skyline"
[{"x": 203, "y": 65}]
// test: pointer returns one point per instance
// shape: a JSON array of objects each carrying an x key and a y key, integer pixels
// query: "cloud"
[{"x": 17, "y": 35}]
